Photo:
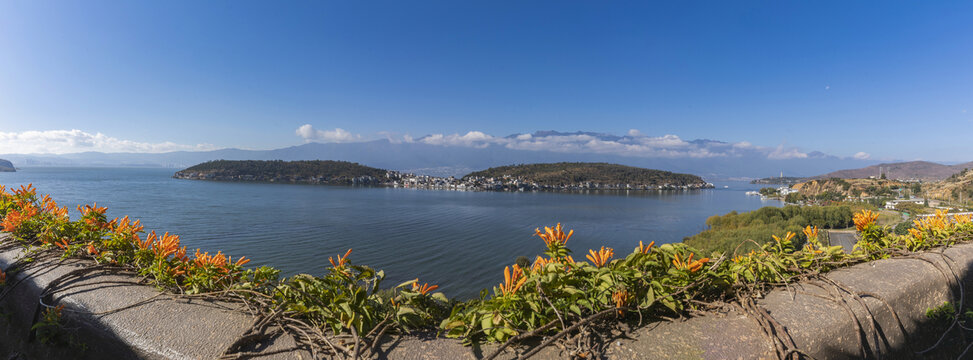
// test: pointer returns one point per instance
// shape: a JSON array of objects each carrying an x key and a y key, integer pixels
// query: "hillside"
[
  {"x": 312, "y": 171},
  {"x": 742, "y": 232},
  {"x": 572, "y": 173},
  {"x": 955, "y": 189},
  {"x": 6, "y": 166},
  {"x": 920, "y": 170},
  {"x": 836, "y": 188}
]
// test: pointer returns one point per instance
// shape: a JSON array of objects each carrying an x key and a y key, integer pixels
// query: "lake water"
[{"x": 459, "y": 240}]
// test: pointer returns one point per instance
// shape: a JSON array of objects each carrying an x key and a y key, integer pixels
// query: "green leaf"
[{"x": 575, "y": 309}]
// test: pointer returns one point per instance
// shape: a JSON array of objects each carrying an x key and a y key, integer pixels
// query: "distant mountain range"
[
  {"x": 459, "y": 155},
  {"x": 920, "y": 170}
]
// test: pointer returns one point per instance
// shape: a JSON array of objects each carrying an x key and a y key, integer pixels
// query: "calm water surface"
[{"x": 459, "y": 240}]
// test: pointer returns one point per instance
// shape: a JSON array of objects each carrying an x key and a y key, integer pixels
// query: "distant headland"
[
  {"x": 528, "y": 177},
  {"x": 6, "y": 166}
]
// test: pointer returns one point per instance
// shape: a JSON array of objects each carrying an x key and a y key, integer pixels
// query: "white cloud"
[
  {"x": 339, "y": 135},
  {"x": 639, "y": 146},
  {"x": 780, "y": 153},
  {"x": 634, "y": 132},
  {"x": 475, "y": 139},
  {"x": 861, "y": 155},
  {"x": 74, "y": 141},
  {"x": 743, "y": 145}
]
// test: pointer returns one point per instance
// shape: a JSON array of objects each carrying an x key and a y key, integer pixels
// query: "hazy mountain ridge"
[
  {"x": 719, "y": 160},
  {"x": 920, "y": 170}
]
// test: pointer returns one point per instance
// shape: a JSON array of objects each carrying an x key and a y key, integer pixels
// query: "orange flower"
[
  {"x": 15, "y": 218},
  {"x": 126, "y": 228},
  {"x": 92, "y": 250},
  {"x": 63, "y": 243},
  {"x": 147, "y": 243},
  {"x": 166, "y": 246},
  {"x": 689, "y": 264},
  {"x": 916, "y": 233},
  {"x": 181, "y": 254},
  {"x": 621, "y": 298},
  {"x": 938, "y": 221},
  {"x": 91, "y": 208},
  {"x": 864, "y": 219},
  {"x": 51, "y": 207},
  {"x": 177, "y": 270},
  {"x": 512, "y": 281},
  {"x": 554, "y": 236},
  {"x": 29, "y": 190},
  {"x": 601, "y": 257},
  {"x": 424, "y": 289},
  {"x": 811, "y": 233},
  {"x": 240, "y": 262},
  {"x": 787, "y": 237},
  {"x": 810, "y": 249},
  {"x": 55, "y": 311},
  {"x": 962, "y": 219},
  {"x": 205, "y": 259},
  {"x": 342, "y": 260},
  {"x": 644, "y": 249},
  {"x": 540, "y": 263}
]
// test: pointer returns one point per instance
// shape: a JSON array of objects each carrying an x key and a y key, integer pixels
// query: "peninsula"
[
  {"x": 6, "y": 166},
  {"x": 532, "y": 177}
]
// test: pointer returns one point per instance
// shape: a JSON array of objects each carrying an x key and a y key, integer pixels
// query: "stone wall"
[{"x": 111, "y": 316}]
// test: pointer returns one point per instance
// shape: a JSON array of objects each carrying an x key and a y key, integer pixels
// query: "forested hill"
[
  {"x": 315, "y": 171},
  {"x": 569, "y": 173}
]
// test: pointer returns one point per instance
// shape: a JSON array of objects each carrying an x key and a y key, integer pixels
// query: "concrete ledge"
[
  {"x": 150, "y": 325},
  {"x": 162, "y": 327}
]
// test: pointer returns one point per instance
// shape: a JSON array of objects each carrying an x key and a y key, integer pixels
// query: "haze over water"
[{"x": 459, "y": 240}]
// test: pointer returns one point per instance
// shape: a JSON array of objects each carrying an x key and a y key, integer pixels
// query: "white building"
[{"x": 893, "y": 203}]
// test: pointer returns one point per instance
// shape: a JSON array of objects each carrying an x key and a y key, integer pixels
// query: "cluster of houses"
[
  {"x": 782, "y": 191},
  {"x": 891, "y": 204},
  {"x": 509, "y": 183}
]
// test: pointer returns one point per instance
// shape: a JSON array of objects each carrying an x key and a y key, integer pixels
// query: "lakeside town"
[{"x": 511, "y": 183}]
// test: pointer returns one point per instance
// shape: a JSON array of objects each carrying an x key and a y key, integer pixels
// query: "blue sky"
[{"x": 890, "y": 79}]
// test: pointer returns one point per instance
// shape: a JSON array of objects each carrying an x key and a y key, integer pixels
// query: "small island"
[
  {"x": 532, "y": 177},
  {"x": 583, "y": 176},
  {"x": 326, "y": 172},
  {"x": 6, "y": 166}
]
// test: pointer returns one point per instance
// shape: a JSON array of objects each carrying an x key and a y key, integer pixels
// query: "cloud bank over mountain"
[
  {"x": 633, "y": 144},
  {"x": 75, "y": 141},
  {"x": 442, "y": 154},
  {"x": 338, "y": 135}
]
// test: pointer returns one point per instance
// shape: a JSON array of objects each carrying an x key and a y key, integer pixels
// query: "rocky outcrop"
[{"x": 848, "y": 187}]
